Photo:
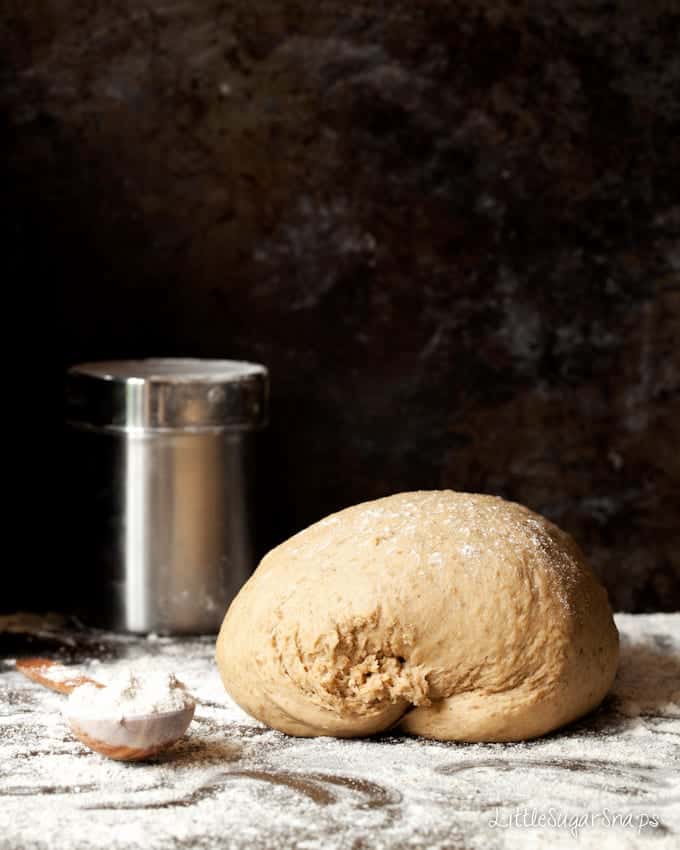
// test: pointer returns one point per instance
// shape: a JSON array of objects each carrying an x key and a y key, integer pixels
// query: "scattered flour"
[{"x": 62, "y": 673}]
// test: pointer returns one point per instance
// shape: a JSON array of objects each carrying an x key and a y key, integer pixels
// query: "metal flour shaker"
[{"x": 159, "y": 489}]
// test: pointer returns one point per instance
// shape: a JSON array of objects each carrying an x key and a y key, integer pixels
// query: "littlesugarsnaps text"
[{"x": 573, "y": 822}]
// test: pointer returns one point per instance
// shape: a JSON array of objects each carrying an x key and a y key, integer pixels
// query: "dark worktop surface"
[{"x": 232, "y": 783}]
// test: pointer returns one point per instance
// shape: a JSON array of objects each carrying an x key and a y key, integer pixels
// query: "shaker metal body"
[{"x": 163, "y": 459}]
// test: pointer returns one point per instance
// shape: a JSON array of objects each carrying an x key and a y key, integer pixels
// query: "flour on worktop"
[
  {"x": 234, "y": 783},
  {"x": 651, "y": 684},
  {"x": 62, "y": 673}
]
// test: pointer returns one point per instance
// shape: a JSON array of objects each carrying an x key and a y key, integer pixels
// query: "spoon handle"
[{"x": 39, "y": 670}]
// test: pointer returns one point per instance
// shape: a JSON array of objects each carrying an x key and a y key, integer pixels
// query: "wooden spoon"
[{"x": 131, "y": 738}]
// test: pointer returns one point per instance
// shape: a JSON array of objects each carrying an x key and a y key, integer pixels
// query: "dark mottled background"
[{"x": 450, "y": 229}]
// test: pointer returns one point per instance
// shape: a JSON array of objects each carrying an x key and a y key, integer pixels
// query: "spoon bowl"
[{"x": 131, "y": 738}]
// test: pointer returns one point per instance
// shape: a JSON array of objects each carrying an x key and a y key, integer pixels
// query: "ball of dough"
[{"x": 448, "y": 615}]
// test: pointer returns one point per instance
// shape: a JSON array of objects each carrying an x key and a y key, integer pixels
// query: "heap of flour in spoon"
[{"x": 129, "y": 693}]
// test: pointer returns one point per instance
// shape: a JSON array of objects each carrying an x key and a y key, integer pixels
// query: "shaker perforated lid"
[{"x": 168, "y": 393}]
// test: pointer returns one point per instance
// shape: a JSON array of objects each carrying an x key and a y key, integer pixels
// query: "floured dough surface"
[{"x": 449, "y": 615}]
